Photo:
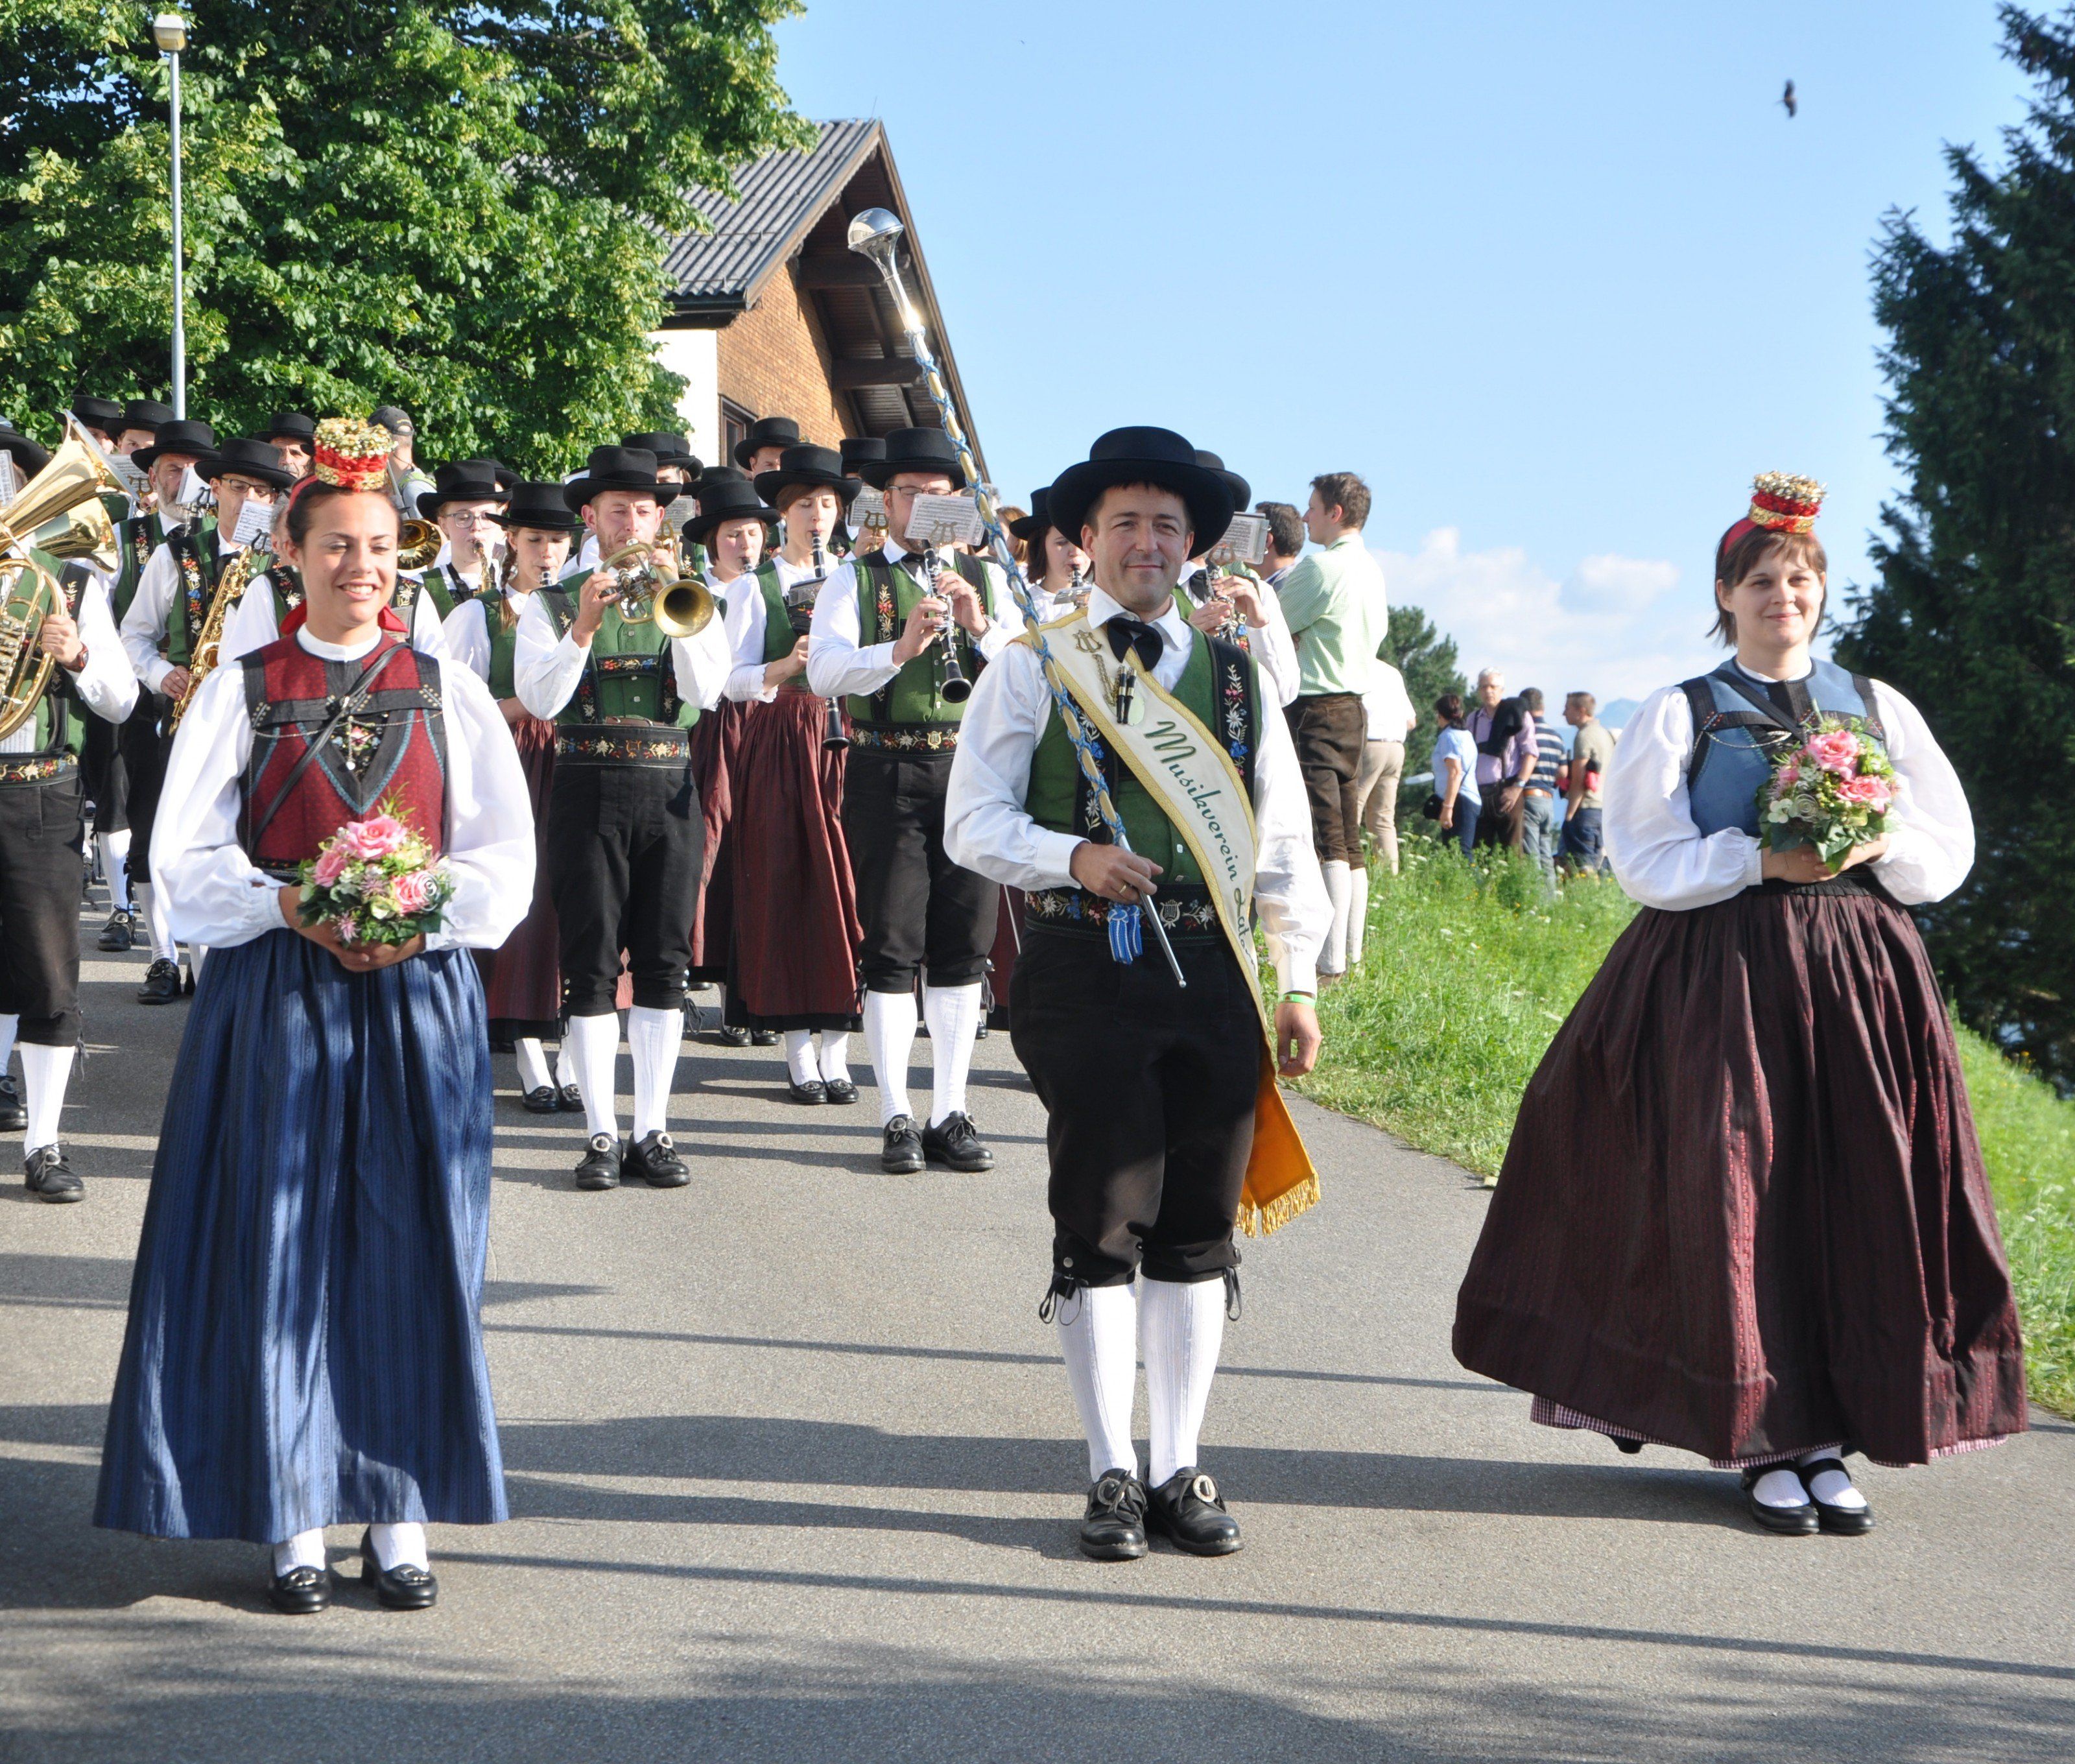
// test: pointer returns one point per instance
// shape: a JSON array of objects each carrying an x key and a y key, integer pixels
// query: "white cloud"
[{"x": 1610, "y": 583}]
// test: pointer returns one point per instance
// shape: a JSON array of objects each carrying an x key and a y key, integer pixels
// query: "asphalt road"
[{"x": 794, "y": 1470}]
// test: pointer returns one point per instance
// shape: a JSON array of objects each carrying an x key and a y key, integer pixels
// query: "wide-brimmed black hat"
[
  {"x": 250, "y": 459},
  {"x": 715, "y": 475},
  {"x": 1242, "y": 491},
  {"x": 1031, "y": 527},
  {"x": 732, "y": 499},
  {"x": 464, "y": 480},
  {"x": 631, "y": 469},
  {"x": 766, "y": 432},
  {"x": 104, "y": 414},
  {"x": 534, "y": 504},
  {"x": 818, "y": 468},
  {"x": 1143, "y": 456},
  {"x": 29, "y": 457},
  {"x": 669, "y": 450},
  {"x": 858, "y": 449},
  {"x": 146, "y": 413},
  {"x": 180, "y": 435},
  {"x": 915, "y": 450},
  {"x": 293, "y": 425}
]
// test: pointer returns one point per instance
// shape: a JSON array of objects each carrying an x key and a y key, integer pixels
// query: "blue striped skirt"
[{"x": 304, "y": 1345}]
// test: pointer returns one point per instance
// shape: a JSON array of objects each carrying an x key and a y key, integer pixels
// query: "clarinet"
[
  {"x": 954, "y": 688},
  {"x": 802, "y": 613}
]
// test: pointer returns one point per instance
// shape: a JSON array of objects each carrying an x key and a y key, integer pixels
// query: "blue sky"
[{"x": 1557, "y": 279}]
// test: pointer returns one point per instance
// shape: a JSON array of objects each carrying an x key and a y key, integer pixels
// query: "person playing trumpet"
[{"x": 1228, "y": 600}]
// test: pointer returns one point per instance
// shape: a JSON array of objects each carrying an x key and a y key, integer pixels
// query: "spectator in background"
[
  {"x": 1456, "y": 773},
  {"x": 1388, "y": 714},
  {"x": 1334, "y": 603},
  {"x": 1545, "y": 784},
  {"x": 1504, "y": 737},
  {"x": 406, "y": 483},
  {"x": 1286, "y": 540},
  {"x": 1592, "y": 752}
]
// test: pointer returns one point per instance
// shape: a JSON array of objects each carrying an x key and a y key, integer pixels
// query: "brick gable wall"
[{"x": 774, "y": 361}]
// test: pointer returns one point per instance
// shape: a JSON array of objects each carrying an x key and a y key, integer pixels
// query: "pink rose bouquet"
[
  {"x": 1833, "y": 789},
  {"x": 376, "y": 881}
]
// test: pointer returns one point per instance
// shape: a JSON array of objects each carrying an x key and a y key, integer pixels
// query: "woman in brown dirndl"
[
  {"x": 796, "y": 923},
  {"x": 1743, "y": 1212},
  {"x": 522, "y": 980}
]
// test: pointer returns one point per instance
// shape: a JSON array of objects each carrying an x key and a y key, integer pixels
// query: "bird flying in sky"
[{"x": 1787, "y": 98}]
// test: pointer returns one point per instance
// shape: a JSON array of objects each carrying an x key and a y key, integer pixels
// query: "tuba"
[
  {"x": 651, "y": 590},
  {"x": 58, "y": 511}
]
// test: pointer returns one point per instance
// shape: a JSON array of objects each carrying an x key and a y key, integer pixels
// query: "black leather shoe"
[
  {"x": 1624, "y": 1443},
  {"x": 541, "y": 1100},
  {"x": 1839, "y": 1522},
  {"x": 120, "y": 932},
  {"x": 655, "y": 1160},
  {"x": 1113, "y": 1527},
  {"x": 162, "y": 983},
  {"x": 955, "y": 1141},
  {"x": 901, "y": 1155},
  {"x": 570, "y": 1100},
  {"x": 763, "y": 1038},
  {"x": 600, "y": 1168},
  {"x": 404, "y": 1587},
  {"x": 1800, "y": 1522},
  {"x": 732, "y": 1035},
  {"x": 813, "y": 1092},
  {"x": 1188, "y": 1511},
  {"x": 300, "y": 1591},
  {"x": 50, "y": 1178},
  {"x": 14, "y": 1115},
  {"x": 840, "y": 1090}
]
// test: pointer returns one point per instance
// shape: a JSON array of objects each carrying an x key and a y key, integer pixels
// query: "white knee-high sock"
[
  {"x": 158, "y": 922},
  {"x": 656, "y": 1038},
  {"x": 799, "y": 1056},
  {"x": 1183, "y": 1326},
  {"x": 8, "y": 1026},
  {"x": 115, "y": 866},
  {"x": 565, "y": 1069},
  {"x": 953, "y": 1015},
  {"x": 835, "y": 1054},
  {"x": 44, "y": 1071},
  {"x": 889, "y": 1037},
  {"x": 592, "y": 1046},
  {"x": 532, "y": 1065},
  {"x": 396, "y": 1544},
  {"x": 1333, "y": 959},
  {"x": 1099, "y": 1335},
  {"x": 1357, "y": 912},
  {"x": 304, "y": 1549}
]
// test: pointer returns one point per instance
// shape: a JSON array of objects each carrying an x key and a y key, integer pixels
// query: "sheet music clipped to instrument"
[{"x": 945, "y": 520}]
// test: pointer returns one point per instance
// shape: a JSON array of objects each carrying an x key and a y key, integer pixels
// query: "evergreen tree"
[
  {"x": 1974, "y": 614},
  {"x": 1427, "y": 660},
  {"x": 456, "y": 207}
]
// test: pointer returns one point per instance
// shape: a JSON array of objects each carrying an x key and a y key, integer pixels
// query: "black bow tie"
[{"x": 1126, "y": 633}]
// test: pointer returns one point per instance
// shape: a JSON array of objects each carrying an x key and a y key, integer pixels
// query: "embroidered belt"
[
  {"x": 37, "y": 768},
  {"x": 905, "y": 737},
  {"x": 1185, "y": 910},
  {"x": 653, "y": 744}
]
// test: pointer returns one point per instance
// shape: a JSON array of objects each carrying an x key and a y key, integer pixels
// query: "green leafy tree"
[
  {"x": 1974, "y": 614},
  {"x": 459, "y": 209},
  {"x": 1427, "y": 660}
]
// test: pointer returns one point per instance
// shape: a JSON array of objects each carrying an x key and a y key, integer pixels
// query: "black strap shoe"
[
  {"x": 14, "y": 1113},
  {"x": 655, "y": 1160},
  {"x": 542, "y": 1100},
  {"x": 600, "y": 1167},
  {"x": 955, "y": 1141},
  {"x": 300, "y": 1591},
  {"x": 901, "y": 1155},
  {"x": 50, "y": 1178},
  {"x": 1839, "y": 1522},
  {"x": 840, "y": 1090},
  {"x": 814, "y": 1092},
  {"x": 404, "y": 1587},
  {"x": 1188, "y": 1511},
  {"x": 162, "y": 983},
  {"x": 732, "y": 1035},
  {"x": 1113, "y": 1527},
  {"x": 571, "y": 1098},
  {"x": 1800, "y": 1522},
  {"x": 763, "y": 1038},
  {"x": 120, "y": 932}
]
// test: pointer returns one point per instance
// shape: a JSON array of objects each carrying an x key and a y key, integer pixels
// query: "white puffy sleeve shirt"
[
  {"x": 546, "y": 668},
  {"x": 253, "y": 623},
  {"x": 105, "y": 684},
  {"x": 837, "y": 668},
  {"x": 215, "y": 895},
  {"x": 1660, "y": 858}
]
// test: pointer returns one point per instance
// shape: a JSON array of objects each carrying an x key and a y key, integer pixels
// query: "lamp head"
[
  {"x": 169, "y": 31},
  {"x": 875, "y": 234}
]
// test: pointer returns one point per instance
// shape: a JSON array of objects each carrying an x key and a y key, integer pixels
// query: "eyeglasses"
[{"x": 248, "y": 488}]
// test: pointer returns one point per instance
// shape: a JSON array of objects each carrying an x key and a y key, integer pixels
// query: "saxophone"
[{"x": 208, "y": 646}]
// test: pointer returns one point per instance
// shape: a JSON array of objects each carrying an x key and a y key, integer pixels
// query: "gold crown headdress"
[{"x": 351, "y": 454}]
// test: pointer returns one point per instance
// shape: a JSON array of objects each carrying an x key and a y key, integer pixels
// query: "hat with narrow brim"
[
  {"x": 1032, "y": 526},
  {"x": 464, "y": 481},
  {"x": 1242, "y": 491},
  {"x": 104, "y": 414},
  {"x": 535, "y": 503},
  {"x": 146, "y": 413},
  {"x": 915, "y": 450},
  {"x": 812, "y": 468},
  {"x": 30, "y": 457},
  {"x": 180, "y": 435},
  {"x": 291, "y": 425},
  {"x": 766, "y": 432},
  {"x": 630, "y": 469},
  {"x": 857, "y": 448},
  {"x": 255, "y": 459},
  {"x": 731, "y": 499},
  {"x": 669, "y": 450},
  {"x": 1158, "y": 457}
]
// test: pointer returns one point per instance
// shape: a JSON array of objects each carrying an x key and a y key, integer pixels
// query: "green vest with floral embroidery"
[
  {"x": 629, "y": 671},
  {"x": 886, "y": 594}
]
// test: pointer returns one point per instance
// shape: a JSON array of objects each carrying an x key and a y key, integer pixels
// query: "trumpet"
[
  {"x": 418, "y": 543},
  {"x": 651, "y": 593},
  {"x": 954, "y": 688}
]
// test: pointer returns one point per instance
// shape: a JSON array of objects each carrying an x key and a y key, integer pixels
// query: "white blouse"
[
  {"x": 253, "y": 623},
  {"x": 747, "y": 620},
  {"x": 1661, "y": 859},
  {"x": 215, "y": 895}
]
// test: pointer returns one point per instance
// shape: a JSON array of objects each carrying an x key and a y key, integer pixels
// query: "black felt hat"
[
  {"x": 733, "y": 498},
  {"x": 29, "y": 457},
  {"x": 668, "y": 449},
  {"x": 250, "y": 459},
  {"x": 766, "y": 432},
  {"x": 179, "y": 435},
  {"x": 818, "y": 468},
  {"x": 715, "y": 475},
  {"x": 916, "y": 450},
  {"x": 534, "y": 504},
  {"x": 146, "y": 413},
  {"x": 1143, "y": 456},
  {"x": 291, "y": 425},
  {"x": 464, "y": 481},
  {"x": 1031, "y": 527},
  {"x": 104, "y": 414},
  {"x": 1242, "y": 491},
  {"x": 631, "y": 469},
  {"x": 858, "y": 449}
]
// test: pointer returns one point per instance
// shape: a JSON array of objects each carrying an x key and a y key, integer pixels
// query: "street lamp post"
[{"x": 169, "y": 31}]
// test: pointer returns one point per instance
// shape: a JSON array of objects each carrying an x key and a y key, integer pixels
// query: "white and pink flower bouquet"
[
  {"x": 376, "y": 881},
  {"x": 1833, "y": 789}
]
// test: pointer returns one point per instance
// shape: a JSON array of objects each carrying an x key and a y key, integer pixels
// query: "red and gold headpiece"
[
  {"x": 1781, "y": 503},
  {"x": 353, "y": 455}
]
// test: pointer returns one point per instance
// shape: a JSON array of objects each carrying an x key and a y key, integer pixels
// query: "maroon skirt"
[
  {"x": 796, "y": 924},
  {"x": 1743, "y": 1210},
  {"x": 522, "y": 979},
  {"x": 716, "y": 741}
]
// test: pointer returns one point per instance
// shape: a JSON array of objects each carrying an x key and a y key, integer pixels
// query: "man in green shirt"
[{"x": 1334, "y": 602}]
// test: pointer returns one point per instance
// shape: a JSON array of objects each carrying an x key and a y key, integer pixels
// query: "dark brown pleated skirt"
[
  {"x": 522, "y": 978},
  {"x": 1743, "y": 1211},
  {"x": 716, "y": 742}
]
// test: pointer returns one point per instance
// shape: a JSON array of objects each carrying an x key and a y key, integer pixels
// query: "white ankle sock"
[
  {"x": 592, "y": 1046},
  {"x": 835, "y": 1055},
  {"x": 1181, "y": 1328},
  {"x": 396, "y": 1544},
  {"x": 115, "y": 865},
  {"x": 1780, "y": 1487},
  {"x": 304, "y": 1549},
  {"x": 1099, "y": 1335},
  {"x": 656, "y": 1038},
  {"x": 1333, "y": 959},
  {"x": 1357, "y": 912},
  {"x": 889, "y": 1037},
  {"x": 532, "y": 1066},
  {"x": 8, "y": 1026},
  {"x": 158, "y": 923},
  {"x": 44, "y": 1071},
  {"x": 1832, "y": 1487},
  {"x": 953, "y": 1015},
  {"x": 799, "y": 1056}
]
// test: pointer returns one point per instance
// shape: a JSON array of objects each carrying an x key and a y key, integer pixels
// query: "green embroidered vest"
[
  {"x": 629, "y": 672},
  {"x": 198, "y": 569},
  {"x": 58, "y": 728},
  {"x": 886, "y": 594},
  {"x": 137, "y": 537}
]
